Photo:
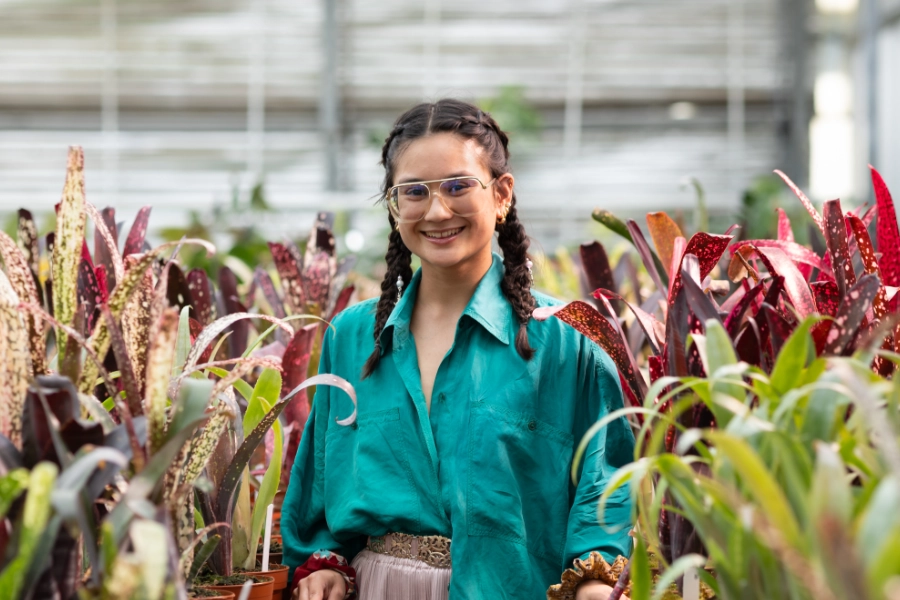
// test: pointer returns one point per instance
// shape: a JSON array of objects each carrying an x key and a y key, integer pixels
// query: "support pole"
[
  {"x": 329, "y": 104},
  {"x": 432, "y": 48},
  {"x": 256, "y": 93},
  {"x": 870, "y": 21},
  {"x": 736, "y": 98},
  {"x": 575, "y": 80},
  {"x": 109, "y": 102}
]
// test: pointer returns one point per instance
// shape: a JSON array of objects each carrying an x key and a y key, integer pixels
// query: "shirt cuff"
[
  {"x": 594, "y": 567},
  {"x": 324, "y": 559}
]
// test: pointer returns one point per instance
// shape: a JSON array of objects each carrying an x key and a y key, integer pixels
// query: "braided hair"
[{"x": 470, "y": 122}]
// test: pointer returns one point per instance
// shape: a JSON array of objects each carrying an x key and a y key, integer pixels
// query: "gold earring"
[
  {"x": 396, "y": 225},
  {"x": 502, "y": 218}
]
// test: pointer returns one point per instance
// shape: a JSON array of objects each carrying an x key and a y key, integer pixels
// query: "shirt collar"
[{"x": 488, "y": 307}]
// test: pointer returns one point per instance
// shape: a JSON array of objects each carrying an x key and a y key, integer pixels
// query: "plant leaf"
[
  {"x": 827, "y": 297},
  {"x": 886, "y": 231},
  {"x": 597, "y": 271},
  {"x": 160, "y": 359},
  {"x": 585, "y": 319},
  {"x": 648, "y": 257},
  {"x": 22, "y": 282},
  {"x": 201, "y": 296},
  {"x": 35, "y": 516},
  {"x": 870, "y": 263},
  {"x": 795, "y": 284},
  {"x": 70, "y": 223},
  {"x": 288, "y": 264},
  {"x": 785, "y": 233},
  {"x": 803, "y": 200},
  {"x": 663, "y": 231},
  {"x": 225, "y": 494},
  {"x": 134, "y": 243},
  {"x": 836, "y": 241},
  {"x": 851, "y": 314}
]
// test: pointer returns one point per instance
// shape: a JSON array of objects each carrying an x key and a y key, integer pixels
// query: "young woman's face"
[{"x": 442, "y": 238}]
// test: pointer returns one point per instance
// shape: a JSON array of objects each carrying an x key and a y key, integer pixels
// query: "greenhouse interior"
[{"x": 224, "y": 311}]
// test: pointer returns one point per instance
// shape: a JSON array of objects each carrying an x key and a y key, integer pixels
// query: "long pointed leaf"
[
  {"x": 70, "y": 223},
  {"x": 886, "y": 232},
  {"x": 22, "y": 281},
  {"x": 225, "y": 493},
  {"x": 836, "y": 241},
  {"x": 803, "y": 200}
]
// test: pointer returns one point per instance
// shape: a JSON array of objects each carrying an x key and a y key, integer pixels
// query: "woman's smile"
[{"x": 442, "y": 236}]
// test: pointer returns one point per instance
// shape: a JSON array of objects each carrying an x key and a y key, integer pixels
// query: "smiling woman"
[{"x": 452, "y": 483}]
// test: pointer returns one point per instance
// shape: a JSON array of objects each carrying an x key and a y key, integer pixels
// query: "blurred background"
[{"x": 243, "y": 118}]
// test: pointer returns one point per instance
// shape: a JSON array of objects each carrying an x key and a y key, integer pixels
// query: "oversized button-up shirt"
[{"x": 487, "y": 466}]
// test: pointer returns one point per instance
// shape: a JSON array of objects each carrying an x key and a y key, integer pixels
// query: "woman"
[{"x": 453, "y": 481}]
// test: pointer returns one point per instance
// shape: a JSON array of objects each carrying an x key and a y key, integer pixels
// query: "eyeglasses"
[{"x": 409, "y": 202}]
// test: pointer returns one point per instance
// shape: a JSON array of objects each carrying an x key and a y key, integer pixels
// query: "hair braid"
[
  {"x": 516, "y": 283},
  {"x": 399, "y": 259}
]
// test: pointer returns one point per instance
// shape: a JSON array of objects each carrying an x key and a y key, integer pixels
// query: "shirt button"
[
  {"x": 354, "y": 425},
  {"x": 532, "y": 425},
  {"x": 441, "y": 397}
]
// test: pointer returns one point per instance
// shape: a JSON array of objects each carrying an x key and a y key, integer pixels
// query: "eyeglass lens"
[{"x": 412, "y": 201}]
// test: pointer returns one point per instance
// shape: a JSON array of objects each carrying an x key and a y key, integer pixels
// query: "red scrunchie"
[{"x": 324, "y": 559}]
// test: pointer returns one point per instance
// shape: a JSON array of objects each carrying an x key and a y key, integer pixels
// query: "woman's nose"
[{"x": 437, "y": 209}]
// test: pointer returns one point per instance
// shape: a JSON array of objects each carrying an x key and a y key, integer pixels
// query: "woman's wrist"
[{"x": 327, "y": 560}]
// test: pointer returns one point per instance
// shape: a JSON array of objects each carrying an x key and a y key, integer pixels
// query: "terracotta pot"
[
  {"x": 258, "y": 591},
  {"x": 222, "y": 594},
  {"x": 279, "y": 573}
]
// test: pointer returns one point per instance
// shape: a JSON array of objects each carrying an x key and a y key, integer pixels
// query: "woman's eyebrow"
[{"x": 416, "y": 180}]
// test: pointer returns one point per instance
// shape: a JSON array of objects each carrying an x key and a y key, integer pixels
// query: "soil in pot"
[
  {"x": 209, "y": 594},
  {"x": 275, "y": 553}
]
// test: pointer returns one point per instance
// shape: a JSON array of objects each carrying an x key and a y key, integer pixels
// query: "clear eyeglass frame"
[{"x": 393, "y": 204}]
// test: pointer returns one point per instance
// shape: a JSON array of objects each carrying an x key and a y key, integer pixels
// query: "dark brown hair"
[{"x": 469, "y": 122}]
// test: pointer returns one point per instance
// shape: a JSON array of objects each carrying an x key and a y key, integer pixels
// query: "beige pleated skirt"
[{"x": 383, "y": 577}]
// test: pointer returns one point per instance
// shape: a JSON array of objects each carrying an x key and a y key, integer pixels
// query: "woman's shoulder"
[
  {"x": 580, "y": 347},
  {"x": 356, "y": 319}
]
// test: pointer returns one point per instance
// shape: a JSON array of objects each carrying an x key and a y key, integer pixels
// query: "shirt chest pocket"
[
  {"x": 517, "y": 479},
  {"x": 368, "y": 478}
]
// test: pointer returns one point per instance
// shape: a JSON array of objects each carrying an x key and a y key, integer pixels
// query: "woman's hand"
[
  {"x": 594, "y": 590},
  {"x": 321, "y": 585}
]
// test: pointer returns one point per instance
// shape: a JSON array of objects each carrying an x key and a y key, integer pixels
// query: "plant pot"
[
  {"x": 258, "y": 591},
  {"x": 220, "y": 594},
  {"x": 279, "y": 573}
]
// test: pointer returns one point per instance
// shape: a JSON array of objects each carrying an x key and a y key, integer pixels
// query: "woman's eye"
[
  {"x": 456, "y": 188},
  {"x": 415, "y": 192}
]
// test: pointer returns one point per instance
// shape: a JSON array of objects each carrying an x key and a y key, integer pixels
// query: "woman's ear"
[{"x": 503, "y": 190}]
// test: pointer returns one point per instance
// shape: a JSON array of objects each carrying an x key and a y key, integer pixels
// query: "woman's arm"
[
  {"x": 611, "y": 448},
  {"x": 595, "y": 550}
]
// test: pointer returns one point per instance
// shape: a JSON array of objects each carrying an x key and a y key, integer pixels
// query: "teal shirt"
[{"x": 488, "y": 467}]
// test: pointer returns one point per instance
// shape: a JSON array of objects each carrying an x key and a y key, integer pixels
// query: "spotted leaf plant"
[{"x": 116, "y": 391}]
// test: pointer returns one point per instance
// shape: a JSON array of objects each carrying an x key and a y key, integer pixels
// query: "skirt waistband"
[{"x": 433, "y": 550}]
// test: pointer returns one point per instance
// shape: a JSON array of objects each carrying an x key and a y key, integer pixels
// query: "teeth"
[{"x": 443, "y": 234}]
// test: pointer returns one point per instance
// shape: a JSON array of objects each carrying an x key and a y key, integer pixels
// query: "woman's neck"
[{"x": 450, "y": 289}]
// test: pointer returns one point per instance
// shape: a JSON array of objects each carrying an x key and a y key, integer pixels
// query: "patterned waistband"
[{"x": 433, "y": 550}]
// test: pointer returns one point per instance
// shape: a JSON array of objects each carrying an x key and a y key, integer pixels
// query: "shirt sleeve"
[
  {"x": 304, "y": 528},
  {"x": 607, "y": 451}
]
